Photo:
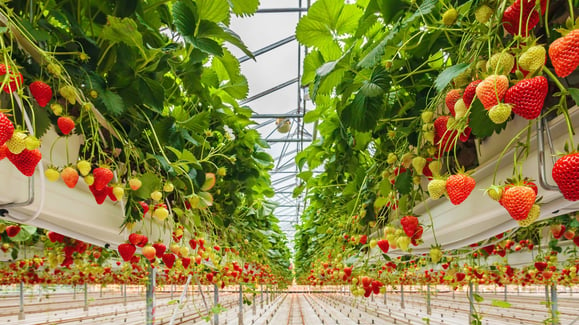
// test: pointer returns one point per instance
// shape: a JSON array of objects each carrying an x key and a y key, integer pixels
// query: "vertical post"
[
  {"x": 267, "y": 294},
  {"x": 505, "y": 292},
  {"x": 253, "y": 305},
  {"x": 101, "y": 291},
  {"x": 402, "y": 296},
  {"x": 554, "y": 307},
  {"x": 428, "y": 309},
  {"x": 240, "y": 316},
  {"x": 470, "y": 302},
  {"x": 181, "y": 299},
  {"x": 261, "y": 303},
  {"x": 85, "y": 308},
  {"x": 21, "y": 313},
  {"x": 385, "y": 295},
  {"x": 124, "y": 294},
  {"x": 150, "y": 296},
  {"x": 215, "y": 302},
  {"x": 74, "y": 292}
]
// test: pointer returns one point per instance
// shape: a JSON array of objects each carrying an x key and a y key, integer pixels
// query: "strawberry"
[
  {"x": 436, "y": 188},
  {"x": 470, "y": 92},
  {"x": 65, "y": 124},
  {"x": 557, "y": 230},
  {"x": 533, "y": 58},
  {"x": 41, "y": 92},
  {"x": 185, "y": 261},
  {"x": 409, "y": 224},
  {"x": 501, "y": 63},
  {"x": 138, "y": 239},
  {"x": 459, "y": 187},
  {"x": 102, "y": 177},
  {"x": 110, "y": 193},
  {"x": 444, "y": 138},
  {"x": 3, "y": 151},
  {"x": 500, "y": 113},
  {"x": 518, "y": 200},
  {"x": 483, "y": 13},
  {"x": 513, "y": 19},
  {"x": 460, "y": 109},
  {"x": 528, "y": 97},
  {"x": 541, "y": 266},
  {"x": 492, "y": 90},
  {"x": 533, "y": 215},
  {"x": 149, "y": 252},
  {"x": 451, "y": 98},
  {"x": 15, "y": 79},
  {"x": 17, "y": 143},
  {"x": 25, "y": 161},
  {"x": 564, "y": 53},
  {"x": 384, "y": 246},
  {"x": 145, "y": 207},
  {"x": 55, "y": 237},
  {"x": 127, "y": 251},
  {"x": 69, "y": 176},
  {"x": 169, "y": 260},
  {"x": 449, "y": 16},
  {"x": 12, "y": 230},
  {"x": 99, "y": 195},
  {"x": 160, "y": 249},
  {"x": 83, "y": 167},
  {"x": 460, "y": 276},
  {"x": 418, "y": 163},
  {"x": 566, "y": 174},
  {"x": 6, "y": 129}
]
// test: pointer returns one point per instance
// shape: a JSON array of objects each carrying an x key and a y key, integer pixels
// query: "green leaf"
[
  {"x": 152, "y": 93},
  {"x": 312, "y": 62},
  {"x": 25, "y": 233},
  {"x": 231, "y": 37},
  {"x": 378, "y": 83},
  {"x": 184, "y": 18},
  {"x": 574, "y": 92},
  {"x": 446, "y": 76},
  {"x": 477, "y": 297},
  {"x": 113, "y": 102},
  {"x": 213, "y": 10},
  {"x": 389, "y": 8},
  {"x": 501, "y": 303},
  {"x": 238, "y": 87},
  {"x": 404, "y": 182},
  {"x": 226, "y": 66},
  {"x": 363, "y": 113},
  {"x": 380, "y": 202},
  {"x": 123, "y": 30},
  {"x": 207, "y": 45},
  {"x": 244, "y": 7},
  {"x": 150, "y": 182}
]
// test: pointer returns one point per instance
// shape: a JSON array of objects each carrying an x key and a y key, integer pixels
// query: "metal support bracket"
[{"x": 542, "y": 128}]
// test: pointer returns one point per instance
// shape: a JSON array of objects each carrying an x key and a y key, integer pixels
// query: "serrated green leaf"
[
  {"x": 244, "y": 7},
  {"x": 312, "y": 62},
  {"x": 152, "y": 93},
  {"x": 477, "y": 297},
  {"x": 312, "y": 116},
  {"x": 501, "y": 303},
  {"x": 237, "y": 88},
  {"x": 184, "y": 18},
  {"x": 480, "y": 123},
  {"x": 446, "y": 76},
  {"x": 207, "y": 45},
  {"x": 404, "y": 182},
  {"x": 199, "y": 122},
  {"x": 123, "y": 30},
  {"x": 226, "y": 66},
  {"x": 363, "y": 113},
  {"x": 113, "y": 103},
  {"x": 378, "y": 83},
  {"x": 213, "y": 10},
  {"x": 380, "y": 202}
]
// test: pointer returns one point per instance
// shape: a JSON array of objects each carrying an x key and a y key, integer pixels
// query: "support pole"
[
  {"x": 402, "y": 296},
  {"x": 172, "y": 288},
  {"x": 151, "y": 296},
  {"x": 428, "y": 308},
  {"x": 21, "y": 313},
  {"x": 215, "y": 302},
  {"x": 74, "y": 292},
  {"x": 124, "y": 288},
  {"x": 254, "y": 307},
  {"x": 181, "y": 299},
  {"x": 554, "y": 306},
  {"x": 505, "y": 292},
  {"x": 85, "y": 308},
  {"x": 385, "y": 295},
  {"x": 101, "y": 291},
  {"x": 240, "y": 315}
]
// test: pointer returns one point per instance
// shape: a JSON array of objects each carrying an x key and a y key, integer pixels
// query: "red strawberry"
[
  {"x": 160, "y": 249},
  {"x": 528, "y": 97},
  {"x": 185, "y": 261},
  {"x": 138, "y": 239},
  {"x": 41, "y": 92},
  {"x": 469, "y": 92},
  {"x": 363, "y": 239},
  {"x": 15, "y": 80},
  {"x": 444, "y": 138},
  {"x": 409, "y": 224},
  {"x": 541, "y": 266},
  {"x": 12, "y": 230},
  {"x": 576, "y": 240},
  {"x": 169, "y": 260},
  {"x": 3, "y": 151},
  {"x": 99, "y": 195},
  {"x": 566, "y": 174},
  {"x": 69, "y": 176},
  {"x": 459, "y": 187},
  {"x": 518, "y": 201},
  {"x": 492, "y": 90},
  {"x": 55, "y": 237},
  {"x": 25, "y": 161},
  {"x": 451, "y": 98},
  {"x": 557, "y": 230},
  {"x": 564, "y": 53},
  {"x": 460, "y": 276},
  {"x": 102, "y": 177},
  {"x": 110, "y": 193},
  {"x": 145, "y": 207},
  {"x": 348, "y": 271},
  {"x": 127, "y": 251},
  {"x": 512, "y": 17},
  {"x": 6, "y": 129},
  {"x": 65, "y": 124},
  {"x": 384, "y": 246}
]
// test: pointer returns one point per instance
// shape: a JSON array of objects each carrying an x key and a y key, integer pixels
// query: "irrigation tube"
[{"x": 180, "y": 304}]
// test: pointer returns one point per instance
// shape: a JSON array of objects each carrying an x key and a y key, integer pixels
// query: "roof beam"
[
  {"x": 269, "y": 91},
  {"x": 280, "y": 10},
  {"x": 268, "y": 48}
]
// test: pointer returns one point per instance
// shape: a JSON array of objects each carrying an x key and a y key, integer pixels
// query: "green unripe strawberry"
[
  {"x": 533, "y": 59},
  {"x": 435, "y": 167},
  {"x": 533, "y": 215},
  {"x": 31, "y": 142},
  {"x": 403, "y": 242},
  {"x": 56, "y": 109},
  {"x": 392, "y": 158},
  {"x": 459, "y": 109},
  {"x": 69, "y": 93},
  {"x": 501, "y": 63},
  {"x": 500, "y": 113},
  {"x": 436, "y": 188},
  {"x": 156, "y": 195},
  {"x": 54, "y": 69},
  {"x": 495, "y": 192},
  {"x": 435, "y": 255},
  {"x": 119, "y": 192},
  {"x": 429, "y": 136},
  {"x": 17, "y": 143},
  {"x": 483, "y": 13},
  {"x": 418, "y": 163},
  {"x": 168, "y": 187},
  {"x": 427, "y": 116},
  {"x": 83, "y": 167},
  {"x": 161, "y": 213},
  {"x": 52, "y": 174},
  {"x": 449, "y": 17}
]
